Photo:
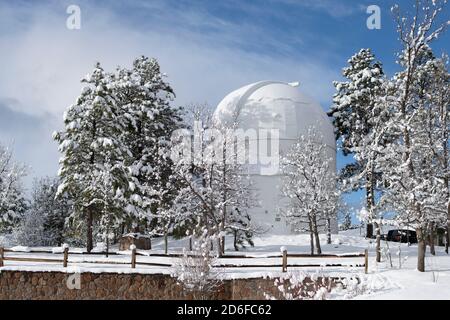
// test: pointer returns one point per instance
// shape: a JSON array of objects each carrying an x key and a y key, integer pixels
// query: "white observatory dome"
[{"x": 274, "y": 105}]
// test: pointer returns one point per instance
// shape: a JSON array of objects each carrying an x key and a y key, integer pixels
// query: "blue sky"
[{"x": 207, "y": 48}]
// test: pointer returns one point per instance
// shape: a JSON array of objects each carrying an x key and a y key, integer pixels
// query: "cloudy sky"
[{"x": 207, "y": 48}]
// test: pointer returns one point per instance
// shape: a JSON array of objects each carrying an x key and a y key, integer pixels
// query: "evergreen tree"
[
  {"x": 52, "y": 210},
  {"x": 12, "y": 201},
  {"x": 354, "y": 114},
  {"x": 90, "y": 139},
  {"x": 144, "y": 98}
]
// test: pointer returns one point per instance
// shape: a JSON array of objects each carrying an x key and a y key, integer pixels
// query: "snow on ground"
[{"x": 394, "y": 278}]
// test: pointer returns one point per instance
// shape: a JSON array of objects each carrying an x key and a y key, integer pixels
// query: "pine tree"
[
  {"x": 90, "y": 139},
  {"x": 52, "y": 210},
  {"x": 29, "y": 231},
  {"x": 144, "y": 98},
  {"x": 354, "y": 115},
  {"x": 12, "y": 201}
]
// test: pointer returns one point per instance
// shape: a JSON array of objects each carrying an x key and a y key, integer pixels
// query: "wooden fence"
[{"x": 283, "y": 265}]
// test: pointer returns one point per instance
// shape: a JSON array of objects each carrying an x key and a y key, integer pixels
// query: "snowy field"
[{"x": 394, "y": 278}]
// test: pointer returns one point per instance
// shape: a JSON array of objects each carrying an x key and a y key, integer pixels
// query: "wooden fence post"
[
  {"x": 133, "y": 256},
  {"x": 2, "y": 256},
  {"x": 284, "y": 267},
  {"x": 366, "y": 261},
  {"x": 66, "y": 255}
]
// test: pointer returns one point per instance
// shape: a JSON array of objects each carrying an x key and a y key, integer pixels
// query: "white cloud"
[
  {"x": 42, "y": 62},
  {"x": 334, "y": 8}
]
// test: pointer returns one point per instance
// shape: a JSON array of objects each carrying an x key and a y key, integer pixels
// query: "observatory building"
[{"x": 278, "y": 106}]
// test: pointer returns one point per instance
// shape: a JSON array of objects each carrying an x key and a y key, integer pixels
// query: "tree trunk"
[
  {"x": 316, "y": 236},
  {"x": 370, "y": 201},
  {"x": 166, "y": 243},
  {"x": 107, "y": 241},
  {"x": 420, "y": 250},
  {"x": 222, "y": 245},
  {"x": 311, "y": 238},
  {"x": 369, "y": 230},
  {"x": 447, "y": 230},
  {"x": 236, "y": 248},
  {"x": 219, "y": 246},
  {"x": 378, "y": 245},
  {"x": 447, "y": 237},
  {"x": 318, "y": 248},
  {"x": 431, "y": 241},
  {"x": 89, "y": 221},
  {"x": 311, "y": 233},
  {"x": 328, "y": 230},
  {"x": 190, "y": 243}
]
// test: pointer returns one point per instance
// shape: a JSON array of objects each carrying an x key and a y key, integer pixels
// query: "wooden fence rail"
[
  {"x": 284, "y": 259},
  {"x": 2, "y": 256}
]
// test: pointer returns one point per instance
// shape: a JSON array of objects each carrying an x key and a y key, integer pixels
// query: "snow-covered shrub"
[
  {"x": 351, "y": 287},
  {"x": 195, "y": 272},
  {"x": 300, "y": 286}
]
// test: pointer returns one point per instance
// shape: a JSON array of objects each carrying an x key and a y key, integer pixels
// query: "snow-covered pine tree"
[
  {"x": 408, "y": 158},
  {"x": 29, "y": 231},
  {"x": 353, "y": 113},
  {"x": 111, "y": 200},
  {"x": 367, "y": 155},
  {"x": 12, "y": 201},
  {"x": 309, "y": 184},
  {"x": 53, "y": 210},
  {"x": 166, "y": 187},
  {"x": 144, "y": 98},
  {"x": 91, "y": 138}
]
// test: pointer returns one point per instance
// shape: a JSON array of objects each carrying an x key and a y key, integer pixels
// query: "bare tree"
[
  {"x": 310, "y": 186},
  {"x": 408, "y": 159}
]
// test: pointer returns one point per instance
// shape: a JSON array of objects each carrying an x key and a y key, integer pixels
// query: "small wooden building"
[{"x": 141, "y": 241}]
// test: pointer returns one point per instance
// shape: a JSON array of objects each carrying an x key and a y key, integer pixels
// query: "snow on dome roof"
[{"x": 275, "y": 105}]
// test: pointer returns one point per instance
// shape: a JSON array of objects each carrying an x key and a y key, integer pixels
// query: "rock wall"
[{"x": 63, "y": 286}]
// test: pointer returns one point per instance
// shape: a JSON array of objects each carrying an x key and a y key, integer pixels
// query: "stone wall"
[{"x": 53, "y": 285}]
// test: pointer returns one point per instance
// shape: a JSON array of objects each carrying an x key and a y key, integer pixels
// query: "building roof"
[{"x": 275, "y": 105}]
